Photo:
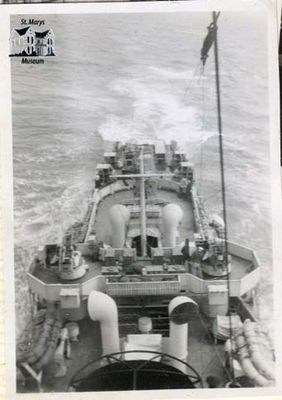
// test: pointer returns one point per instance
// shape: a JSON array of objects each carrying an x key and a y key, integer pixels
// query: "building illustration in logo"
[{"x": 27, "y": 42}]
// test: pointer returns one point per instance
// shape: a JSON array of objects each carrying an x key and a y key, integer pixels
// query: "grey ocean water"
[{"x": 125, "y": 76}]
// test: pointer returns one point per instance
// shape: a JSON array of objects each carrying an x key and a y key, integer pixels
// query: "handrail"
[
  {"x": 98, "y": 195},
  {"x": 195, "y": 378}
]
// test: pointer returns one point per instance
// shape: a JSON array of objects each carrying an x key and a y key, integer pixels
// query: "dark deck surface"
[{"x": 203, "y": 355}]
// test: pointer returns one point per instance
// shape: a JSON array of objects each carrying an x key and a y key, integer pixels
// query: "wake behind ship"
[{"x": 146, "y": 292}]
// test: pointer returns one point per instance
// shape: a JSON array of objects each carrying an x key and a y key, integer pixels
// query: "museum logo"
[{"x": 30, "y": 44}]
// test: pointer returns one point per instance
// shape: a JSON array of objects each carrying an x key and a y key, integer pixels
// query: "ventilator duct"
[{"x": 119, "y": 217}]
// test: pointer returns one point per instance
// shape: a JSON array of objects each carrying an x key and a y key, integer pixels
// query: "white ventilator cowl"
[
  {"x": 181, "y": 310},
  {"x": 171, "y": 217},
  {"x": 119, "y": 217},
  {"x": 103, "y": 308}
]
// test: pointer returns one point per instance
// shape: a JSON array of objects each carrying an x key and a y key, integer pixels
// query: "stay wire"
[
  {"x": 202, "y": 128},
  {"x": 215, "y": 16},
  {"x": 192, "y": 80},
  {"x": 217, "y": 354}
]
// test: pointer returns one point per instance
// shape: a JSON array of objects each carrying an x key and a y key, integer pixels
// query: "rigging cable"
[
  {"x": 217, "y": 354},
  {"x": 213, "y": 29},
  {"x": 211, "y": 39},
  {"x": 188, "y": 87},
  {"x": 202, "y": 128}
]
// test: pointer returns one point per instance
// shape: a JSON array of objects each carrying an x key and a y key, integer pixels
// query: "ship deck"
[
  {"x": 240, "y": 267},
  {"x": 206, "y": 357},
  {"x": 203, "y": 355},
  {"x": 102, "y": 227}
]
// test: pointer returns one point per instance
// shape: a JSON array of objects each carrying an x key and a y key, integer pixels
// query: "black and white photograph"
[{"x": 143, "y": 220}]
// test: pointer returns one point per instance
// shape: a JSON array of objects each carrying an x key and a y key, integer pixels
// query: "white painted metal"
[
  {"x": 178, "y": 340},
  {"x": 119, "y": 217},
  {"x": 171, "y": 216},
  {"x": 103, "y": 308},
  {"x": 143, "y": 207}
]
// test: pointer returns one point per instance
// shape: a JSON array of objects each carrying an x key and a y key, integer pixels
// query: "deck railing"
[
  {"x": 183, "y": 282},
  {"x": 100, "y": 194},
  {"x": 144, "y": 288}
]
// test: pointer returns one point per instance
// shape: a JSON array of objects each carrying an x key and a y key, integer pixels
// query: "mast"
[
  {"x": 143, "y": 207},
  {"x": 211, "y": 39},
  {"x": 142, "y": 176},
  {"x": 215, "y": 16}
]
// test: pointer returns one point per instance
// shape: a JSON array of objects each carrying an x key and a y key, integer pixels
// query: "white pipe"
[
  {"x": 178, "y": 340},
  {"x": 103, "y": 308},
  {"x": 119, "y": 217},
  {"x": 171, "y": 216},
  {"x": 184, "y": 309}
]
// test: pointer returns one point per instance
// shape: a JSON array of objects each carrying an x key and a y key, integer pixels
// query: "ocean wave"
[{"x": 127, "y": 93}]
